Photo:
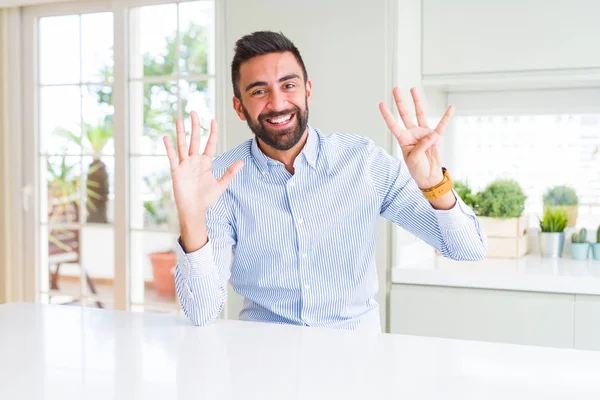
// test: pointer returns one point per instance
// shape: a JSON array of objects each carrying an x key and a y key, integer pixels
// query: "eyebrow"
[{"x": 263, "y": 83}]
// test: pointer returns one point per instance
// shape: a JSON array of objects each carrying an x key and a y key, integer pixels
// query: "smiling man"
[{"x": 290, "y": 216}]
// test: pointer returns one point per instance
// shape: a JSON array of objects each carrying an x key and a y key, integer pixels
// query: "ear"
[
  {"x": 237, "y": 106},
  {"x": 309, "y": 91}
]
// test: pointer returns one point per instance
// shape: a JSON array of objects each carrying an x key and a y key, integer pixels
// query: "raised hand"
[
  {"x": 419, "y": 143},
  {"x": 195, "y": 187}
]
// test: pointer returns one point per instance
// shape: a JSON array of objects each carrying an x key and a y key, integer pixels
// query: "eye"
[
  {"x": 258, "y": 92},
  {"x": 289, "y": 85}
]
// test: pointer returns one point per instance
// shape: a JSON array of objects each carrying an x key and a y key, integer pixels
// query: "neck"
[{"x": 287, "y": 157}]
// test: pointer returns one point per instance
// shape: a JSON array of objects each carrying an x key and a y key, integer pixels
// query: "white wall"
[{"x": 348, "y": 51}]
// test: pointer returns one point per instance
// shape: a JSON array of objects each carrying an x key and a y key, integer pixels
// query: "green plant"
[
  {"x": 97, "y": 138},
  {"x": 598, "y": 235},
  {"x": 579, "y": 237},
  {"x": 560, "y": 196},
  {"x": 464, "y": 191},
  {"x": 555, "y": 220},
  {"x": 502, "y": 198}
]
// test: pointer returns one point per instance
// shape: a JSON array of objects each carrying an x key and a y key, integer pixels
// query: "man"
[{"x": 300, "y": 216}]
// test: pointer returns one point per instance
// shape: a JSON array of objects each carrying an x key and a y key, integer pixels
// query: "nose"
[{"x": 277, "y": 101}]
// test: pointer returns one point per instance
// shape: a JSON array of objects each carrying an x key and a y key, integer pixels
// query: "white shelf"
[{"x": 529, "y": 273}]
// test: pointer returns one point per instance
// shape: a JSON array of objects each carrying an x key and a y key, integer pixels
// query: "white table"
[{"x": 53, "y": 352}]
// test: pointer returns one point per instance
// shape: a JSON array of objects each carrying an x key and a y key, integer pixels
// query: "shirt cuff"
[
  {"x": 457, "y": 217},
  {"x": 196, "y": 264}
]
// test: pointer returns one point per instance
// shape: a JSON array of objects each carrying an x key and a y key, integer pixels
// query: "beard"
[{"x": 280, "y": 139}]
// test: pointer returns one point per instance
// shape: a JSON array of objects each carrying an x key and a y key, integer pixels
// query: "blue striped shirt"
[{"x": 300, "y": 248}]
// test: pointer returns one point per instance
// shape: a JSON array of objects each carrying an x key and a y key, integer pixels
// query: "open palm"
[
  {"x": 419, "y": 143},
  {"x": 195, "y": 187}
]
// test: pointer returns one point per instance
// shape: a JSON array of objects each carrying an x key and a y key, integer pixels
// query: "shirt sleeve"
[
  {"x": 456, "y": 233},
  {"x": 201, "y": 277}
]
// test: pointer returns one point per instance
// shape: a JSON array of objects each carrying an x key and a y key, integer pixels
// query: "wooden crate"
[
  {"x": 502, "y": 247},
  {"x": 504, "y": 228}
]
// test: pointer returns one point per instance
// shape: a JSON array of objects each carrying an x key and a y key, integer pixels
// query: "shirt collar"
[{"x": 310, "y": 151}]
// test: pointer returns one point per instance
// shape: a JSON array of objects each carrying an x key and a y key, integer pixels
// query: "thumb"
[
  {"x": 425, "y": 143},
  {"x": 230, "y": 174}
]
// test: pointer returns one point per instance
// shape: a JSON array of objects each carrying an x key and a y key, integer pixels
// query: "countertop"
[
  {"x": 68, "y": 352},
  {"x": 530, "y": 273}
]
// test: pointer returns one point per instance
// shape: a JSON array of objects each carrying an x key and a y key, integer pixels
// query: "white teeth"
[{"x": 281, "y": 120}]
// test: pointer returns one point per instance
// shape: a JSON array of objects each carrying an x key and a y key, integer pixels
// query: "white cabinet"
[
  {"x": 473, "y": 36},
  {"x": 587, "y": 322},
  {"x": 482, "y": 314}
]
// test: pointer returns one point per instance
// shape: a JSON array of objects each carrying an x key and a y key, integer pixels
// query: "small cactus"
[
  {"x": 598, "y": 235},
  {"x": 580, "y": 237}
]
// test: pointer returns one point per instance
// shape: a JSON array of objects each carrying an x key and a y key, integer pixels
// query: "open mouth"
[{"x": 281, "y": 121}]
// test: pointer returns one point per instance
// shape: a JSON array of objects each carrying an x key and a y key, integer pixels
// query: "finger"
[
  {"x": 425, "y": 144},
  {"x": 402, "y": 110},
  {"x": 211, "y": 145},
  {"x": 181, "y": 141},
  {"x": 421, "y": 119},
  {"x": 196, "y": 132},
  {"x": 390, "y": 120},
  {"x": 173, "y": 159},
  {"x": 230, "y": 173},
  {"x": 445, "y": 120}
]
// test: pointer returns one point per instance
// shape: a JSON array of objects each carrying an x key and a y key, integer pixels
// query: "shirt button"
[
  {"x": 264, "y": 172},
  {"x": 292, "y": 184},
  {"x": 300, "y": 221},
  {"x": 304, "y": 255},
  {"x": 307, "y": 286}
]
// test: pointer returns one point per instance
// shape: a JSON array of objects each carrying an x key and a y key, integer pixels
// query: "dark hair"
[{"x": 258, "y": 44}]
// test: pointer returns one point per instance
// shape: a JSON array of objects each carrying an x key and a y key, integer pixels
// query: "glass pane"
[
  {"x": 153, "y": 261},
  {"x": 97, "y": 47},
  {"x": 197, "y": 35},
  {"x": 199, "y": 96},
  {"x": 99, "y": 192},
  {"x": 151, "y": 194},
  {"x": 153, "y": 113},
  {"x": 97, "y": 112},
  {"x": 152, "y": 43},
  {"x": 535, "y": 142},
  {"x": 98, "y": 263},
  {"x": 59, "y": 49},
  {"x": 60, "y": 120},
  {"x": 64, "y": 177}
]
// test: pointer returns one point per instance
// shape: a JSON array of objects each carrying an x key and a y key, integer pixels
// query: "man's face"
[{"x": 274, "y": 99}]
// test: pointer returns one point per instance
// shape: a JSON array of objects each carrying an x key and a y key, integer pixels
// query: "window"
[
  {"x": 80, "y": 94},
  {"x": 538, "y": 151}
]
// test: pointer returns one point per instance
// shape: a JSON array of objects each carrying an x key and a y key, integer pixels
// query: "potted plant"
[
  {"x": 552, "y": 237},
  {"x": 566, "y": 197},
  {"x": 96, "y": 137},
  {"x": 596, "y": 246},
  {"x": 500, "y": 209},
  {"x": 579, "y": 247}
]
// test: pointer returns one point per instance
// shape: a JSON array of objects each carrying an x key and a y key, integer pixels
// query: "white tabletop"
[
  {"x": 529, "y": 273},
  {"x": 62, "y": 353}
]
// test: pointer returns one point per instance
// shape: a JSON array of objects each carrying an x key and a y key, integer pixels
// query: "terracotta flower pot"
[{"x": 163, "y": 270}]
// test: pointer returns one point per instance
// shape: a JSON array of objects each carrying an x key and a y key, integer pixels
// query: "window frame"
[{"x": 121, "y": 130}]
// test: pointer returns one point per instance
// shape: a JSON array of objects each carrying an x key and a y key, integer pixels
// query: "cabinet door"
[
  {"x": 473, "y": 36},
  {"x": 587, "y": 322},
  {"x": 480, "y": 314}
]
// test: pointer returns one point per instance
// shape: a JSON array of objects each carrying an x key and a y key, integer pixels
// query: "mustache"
[{"x": 276, "y": 114}]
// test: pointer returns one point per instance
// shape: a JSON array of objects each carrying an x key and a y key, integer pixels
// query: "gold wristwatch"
[{"x": 441, "y": 188}]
